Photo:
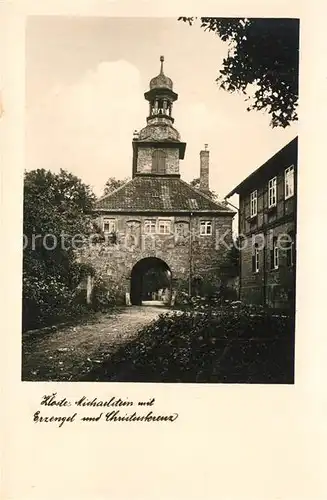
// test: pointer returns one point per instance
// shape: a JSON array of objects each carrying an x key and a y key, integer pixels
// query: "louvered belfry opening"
[{"x": 159, "y": 162}]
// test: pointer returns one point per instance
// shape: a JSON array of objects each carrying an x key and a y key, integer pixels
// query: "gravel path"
[{"x": 69, "y": 353}]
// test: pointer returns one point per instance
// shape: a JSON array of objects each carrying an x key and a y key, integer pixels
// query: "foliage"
[
  {"x": 196, "y": 184},
  {"x": 56, "y": 208},
  {"x": 234, "y": 253},
  {"x": 105, "y": 295},
  {"x": 154, "y": 279},
  {"x": 206, "y": 291},
  {"x": 231, "y": 343},
  {"x": 112, "y": 184},
  {"x": 263, "y": 52}
]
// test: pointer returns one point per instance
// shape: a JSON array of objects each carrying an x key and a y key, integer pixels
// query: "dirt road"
[{"x": 69, "y": 353}]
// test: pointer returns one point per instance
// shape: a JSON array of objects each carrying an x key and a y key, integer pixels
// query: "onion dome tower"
[{"x": 157, "y": 148}]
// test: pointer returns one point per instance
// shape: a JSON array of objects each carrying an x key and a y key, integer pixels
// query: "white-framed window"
[
  {"x": 255, "y": 258},
  {"x": 254, "y": 203},
  {"x": 149, "y": 226},
  {"x": 289, "y": 182},
  {"x": 109, "y": 225},
  {"x": 205, "y": 227},
  {"x": 274, "y": 261},
  {"x": 272, "y": 192},
  {"x": 290, "y": 252},
  {"x": 164, "y": 226}
]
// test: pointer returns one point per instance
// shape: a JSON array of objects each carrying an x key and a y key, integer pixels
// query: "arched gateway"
[{"x": 151, "y": 282}]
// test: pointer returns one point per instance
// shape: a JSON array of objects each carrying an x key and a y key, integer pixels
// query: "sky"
[{"x": 85, "y": 84}]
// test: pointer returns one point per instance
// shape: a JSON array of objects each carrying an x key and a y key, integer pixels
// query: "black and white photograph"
[{"x": 160, "y": 199}]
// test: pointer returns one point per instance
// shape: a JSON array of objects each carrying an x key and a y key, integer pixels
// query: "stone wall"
[
  {"x": 144, "y": 160},
  {"x": 205, "y": 255}
]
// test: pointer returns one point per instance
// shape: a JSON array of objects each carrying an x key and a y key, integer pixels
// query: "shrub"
[
  {"x": 234, "y": 344},
  {"x": 47, "y": 300},
  {"x": 105, "y": 295}
]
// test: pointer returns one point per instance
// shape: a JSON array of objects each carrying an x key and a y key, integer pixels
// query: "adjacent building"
[
  {"x": 267, "y": 230},
  {"x": 157, "y": 224}
]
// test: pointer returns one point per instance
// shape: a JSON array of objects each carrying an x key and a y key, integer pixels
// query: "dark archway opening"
[{"x": 151, "y": 282}]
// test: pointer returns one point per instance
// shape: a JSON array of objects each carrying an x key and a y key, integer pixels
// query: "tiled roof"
[{"x": 165, "y": 194}]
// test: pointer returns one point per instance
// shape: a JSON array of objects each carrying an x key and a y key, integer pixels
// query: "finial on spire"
[{"x": 162, "y": 61}]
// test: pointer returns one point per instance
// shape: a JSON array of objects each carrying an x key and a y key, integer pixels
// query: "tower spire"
[{"x": 162, "y": 58}]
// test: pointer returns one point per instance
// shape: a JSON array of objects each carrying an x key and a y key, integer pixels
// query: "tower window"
[
  {"x": 160, "y": 106},
  {"x": 159, "y": 162}
]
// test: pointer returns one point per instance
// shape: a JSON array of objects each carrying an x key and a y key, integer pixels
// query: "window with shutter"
[{"x": 159, "y": 162}]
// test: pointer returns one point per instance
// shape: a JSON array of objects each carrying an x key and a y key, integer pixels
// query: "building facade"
[
  {"x": 156, "y": 221},
  {"x": 267, "y": 229}
]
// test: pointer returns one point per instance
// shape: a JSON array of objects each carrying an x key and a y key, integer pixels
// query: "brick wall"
[{"x": 275, "y": 287}]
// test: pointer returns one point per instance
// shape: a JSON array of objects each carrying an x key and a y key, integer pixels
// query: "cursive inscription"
[{"x": 123, "y": 410}]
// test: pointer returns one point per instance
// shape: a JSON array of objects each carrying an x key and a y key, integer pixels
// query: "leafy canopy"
[
  {"x": 57, "y": 205},
  {"x": 112, "y": 184},
  {"x": 196, "y": 184},
  {"x": 262, "y": 52}
]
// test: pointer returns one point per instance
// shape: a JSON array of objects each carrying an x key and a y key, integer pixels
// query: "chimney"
[{"x": 204, "y": 169}]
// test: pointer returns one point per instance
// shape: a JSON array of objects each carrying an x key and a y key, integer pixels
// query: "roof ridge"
[{"x": 207, "y": 197}]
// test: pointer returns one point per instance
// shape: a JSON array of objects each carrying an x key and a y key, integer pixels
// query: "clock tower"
[{"x": 157, "y": 148}]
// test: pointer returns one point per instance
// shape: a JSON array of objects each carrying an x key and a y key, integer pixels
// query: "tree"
[
  {"x": 263, "y": 52},
  {"x": 153, "y": 280},
  {"x": 112, "y": 184},
  {"x": 196, "y": 184},
  {"x": 56, "y": 209}
]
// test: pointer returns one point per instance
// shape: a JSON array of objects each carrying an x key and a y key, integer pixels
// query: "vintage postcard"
[
  {"x": 159, "y": 195},
  {"x": 137, "y": 266}
]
